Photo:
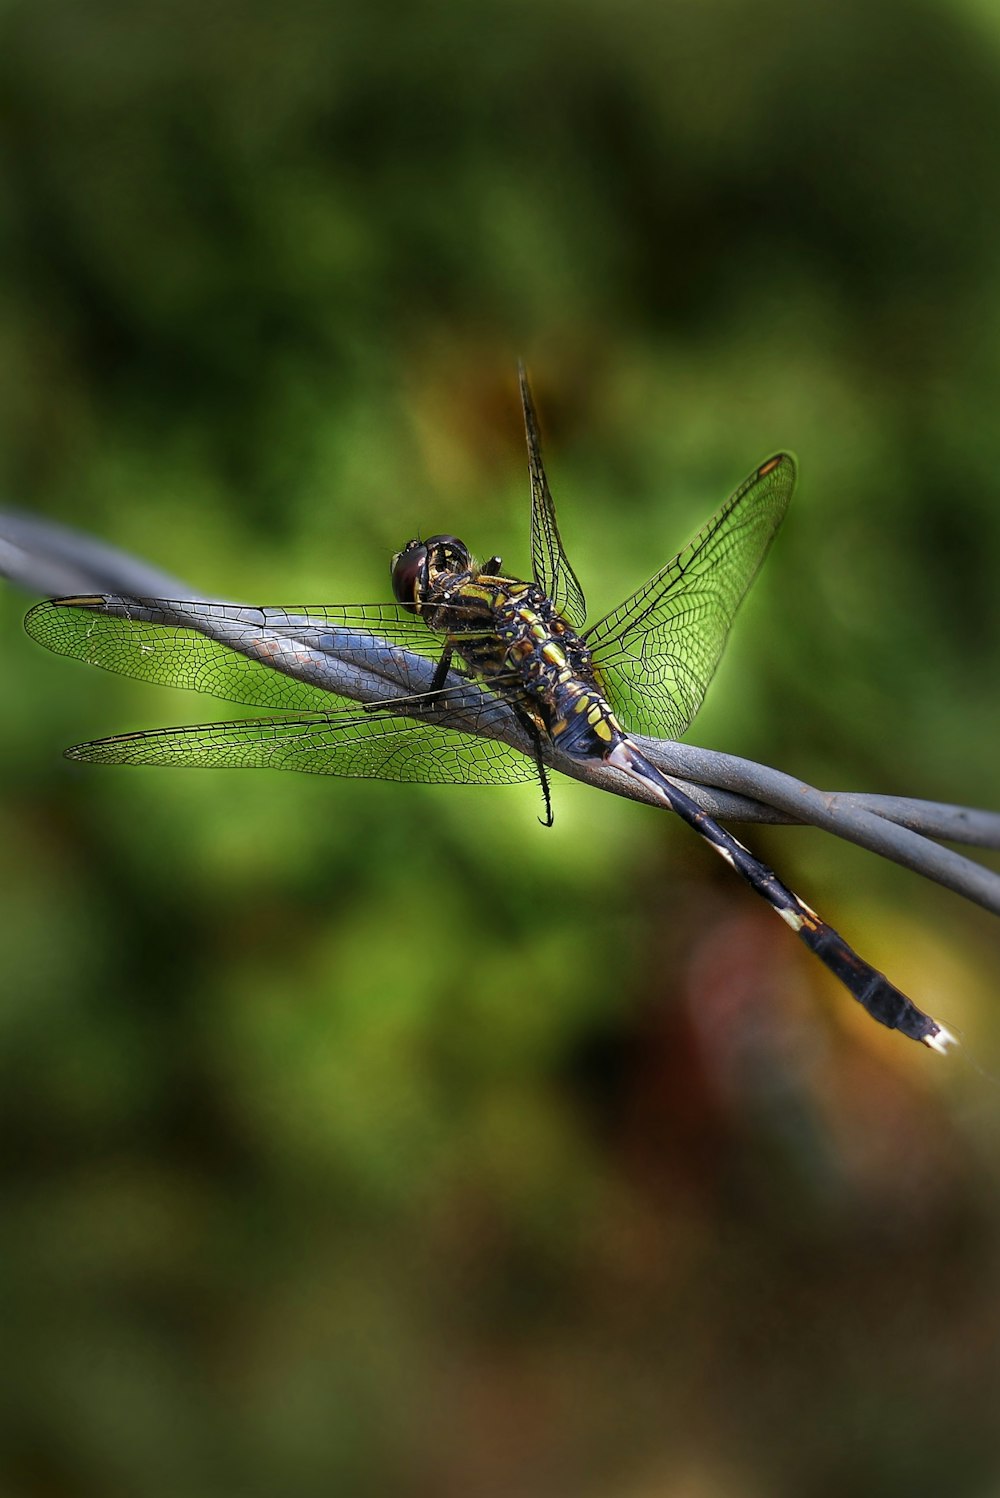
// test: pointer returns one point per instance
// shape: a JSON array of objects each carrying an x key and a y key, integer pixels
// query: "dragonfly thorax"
[{"x": 509, "y": 634}]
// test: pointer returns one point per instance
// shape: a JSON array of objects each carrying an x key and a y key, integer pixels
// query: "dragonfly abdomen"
[
  {"x": 581, "y": 723},
  {"x": 872, "y": 989}
]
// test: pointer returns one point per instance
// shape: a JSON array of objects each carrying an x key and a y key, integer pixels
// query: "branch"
[{"x": 52, "y": 559}]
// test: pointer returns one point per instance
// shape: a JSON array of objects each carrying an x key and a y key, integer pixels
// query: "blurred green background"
[{"x": 368, "y": 1139}]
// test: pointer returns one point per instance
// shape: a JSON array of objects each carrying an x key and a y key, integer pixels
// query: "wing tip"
[{"x": 776, "y": 461}]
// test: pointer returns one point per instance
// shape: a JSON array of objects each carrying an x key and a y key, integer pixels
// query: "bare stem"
[{"x": 52, "y": 560}]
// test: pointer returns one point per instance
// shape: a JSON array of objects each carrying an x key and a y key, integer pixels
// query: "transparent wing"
[
  {"x": 657, "y": 652},
  {"x": 254, "y": 661},
  {"x": 552, "y": 572},
  {"x": 351, "y": 743}
]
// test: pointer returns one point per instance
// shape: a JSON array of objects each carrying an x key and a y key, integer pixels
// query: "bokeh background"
[{"x": 368, "y": 1139}]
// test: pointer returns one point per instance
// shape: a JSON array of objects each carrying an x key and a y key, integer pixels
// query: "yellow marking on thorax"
[{"x": 482, "y": 595}]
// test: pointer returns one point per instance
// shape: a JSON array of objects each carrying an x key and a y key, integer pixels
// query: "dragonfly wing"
[
  {"x": 370, "y": 746},
  {"x": 272, "y": 658},
  {"x": 657, "y": 652},
  {"x": 552, "y": 571}
]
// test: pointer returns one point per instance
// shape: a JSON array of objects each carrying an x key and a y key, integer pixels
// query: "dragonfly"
[{"x": 472, "y": 653}]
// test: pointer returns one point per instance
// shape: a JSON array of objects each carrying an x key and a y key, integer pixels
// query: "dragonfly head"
[{"x": 421, "y": 564}]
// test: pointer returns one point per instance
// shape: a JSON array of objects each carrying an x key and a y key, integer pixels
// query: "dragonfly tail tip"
[{"x": 939, "y": 1039}]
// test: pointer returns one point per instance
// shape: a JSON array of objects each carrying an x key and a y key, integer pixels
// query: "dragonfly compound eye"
[
  {"x": 421, "y": 564},
  {"x": 409, "y": 574}
]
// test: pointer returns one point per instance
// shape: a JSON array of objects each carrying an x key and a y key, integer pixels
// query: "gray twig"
[{"x": 52, "y": 560}]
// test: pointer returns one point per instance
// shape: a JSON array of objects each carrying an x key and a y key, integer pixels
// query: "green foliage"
[{"x": 368, "y": 1139}]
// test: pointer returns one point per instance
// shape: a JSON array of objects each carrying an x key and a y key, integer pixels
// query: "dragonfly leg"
[
  {"x": 543, "y": 781},
  {"x": 531, "y": 728},
  {"x": 442, "y": 669},
  {"x": 492, "y": 567},
  {"x": 437, "y": 681}
]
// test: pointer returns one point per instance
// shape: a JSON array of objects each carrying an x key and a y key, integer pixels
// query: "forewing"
[
  {"x": 252, "y": 655},
  {"x": 371, "y": 746},
  {"x": 551, "y": 569},
  {"x": 657, "y": 652}
]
